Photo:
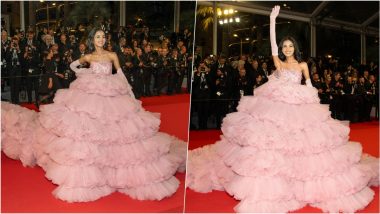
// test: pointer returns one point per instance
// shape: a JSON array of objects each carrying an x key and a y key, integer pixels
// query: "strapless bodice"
[
  {"x": 288, "y": 75},
  {"x": 101, "y": 67}
]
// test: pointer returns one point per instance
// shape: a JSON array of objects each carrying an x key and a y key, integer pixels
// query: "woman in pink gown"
[
  {"x": 95, "y": 138},
  {"x": 282, "y": 150}
]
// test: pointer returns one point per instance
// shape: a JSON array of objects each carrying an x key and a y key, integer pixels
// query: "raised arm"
[{"x": 273, "y": 15}]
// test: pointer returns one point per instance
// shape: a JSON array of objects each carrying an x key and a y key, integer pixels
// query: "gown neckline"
[{"x": 109, "y": 62}]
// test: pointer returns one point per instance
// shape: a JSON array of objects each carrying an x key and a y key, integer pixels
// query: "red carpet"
[
  {"x": 221, "y": 202},
  {"x": 27, "y": 189}
]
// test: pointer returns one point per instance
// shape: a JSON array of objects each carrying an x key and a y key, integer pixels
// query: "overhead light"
[
  {"x": 231, "y": 11},
  {"x": 53, "y": 4},
  {"x": 219, "y": 12},
  {"x": 221, "y": 22},
  {"x": 284, "y": 5},
  {"x": 231, "y": 20},
  {"x": 225, "y": 12},
  {"x": 41, "y": 0},
  {"x": 247, "y": 38},
  {"x": 237, "y": 19},
  {"x": 235, "y": 11},
  {"x": 254, "y": 27},
  {"x": 225, "y": 21},
  {"x": 235, "y": 35}
]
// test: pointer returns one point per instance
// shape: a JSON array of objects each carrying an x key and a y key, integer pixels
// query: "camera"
[
  {"x": 67, "y": 53},
  {"x": 29, "y": 51}
]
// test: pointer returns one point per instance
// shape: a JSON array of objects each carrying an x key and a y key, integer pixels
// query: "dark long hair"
[
  {"x": 90, "y": 39},
  {"x": 297, "y": 53}
]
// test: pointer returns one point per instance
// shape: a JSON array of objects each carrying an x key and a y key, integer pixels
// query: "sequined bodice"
[
  {"x": 289, "y": 75},
  {"x": 102, "y": 67}
]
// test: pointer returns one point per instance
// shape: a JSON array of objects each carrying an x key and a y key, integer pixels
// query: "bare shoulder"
[
  {"x": 86, "y": 58},
  {"x": 111, "y": 54},
  {"x": 303, "y": 64}
]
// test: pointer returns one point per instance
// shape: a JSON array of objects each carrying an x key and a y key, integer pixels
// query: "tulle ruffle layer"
[
  {"x": 101, "y": 84},
  {"x": 282, "y": 90},
  {"x": 245, "y": 130},
  {"x": 259, "y": 182},
  {"x": 17, "y": 131},
  {"x": 252, "y": 162},
  {"x": 95, "y": 105},
  {"x": 80, "y": 126},
  {"x": 286, "y": 115}
]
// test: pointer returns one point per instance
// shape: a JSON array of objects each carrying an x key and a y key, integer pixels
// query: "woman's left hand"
[{"x": 275, "y": 11}]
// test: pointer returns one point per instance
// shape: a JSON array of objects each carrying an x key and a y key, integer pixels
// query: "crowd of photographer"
[
  {"x": 219, "y": 82},
  {"x": 37, "y": 61}
]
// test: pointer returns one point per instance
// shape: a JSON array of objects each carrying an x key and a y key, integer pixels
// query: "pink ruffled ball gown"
[
  {"x": 281, "y": 151},
  {"x": 95, "y": 139}
]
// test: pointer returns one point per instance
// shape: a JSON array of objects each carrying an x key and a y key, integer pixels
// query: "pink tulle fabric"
[
  {"x": 281, "y": 151},
  {"x": 95, "y": 139}
]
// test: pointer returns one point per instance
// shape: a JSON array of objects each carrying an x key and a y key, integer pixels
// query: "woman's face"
[
  {"x": 99, "y": 39},
  {"x": 328, "y": 79},
  {"x": 288, "y": 48}
]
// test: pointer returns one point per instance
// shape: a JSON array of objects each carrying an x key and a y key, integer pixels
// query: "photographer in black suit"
[
  {"x": 138, "y": 66},
  {"x": 14, "y": 59},
  {"x": 220, "y": 95},
  {"x": 5, "y": 44},
  {"x": 264, "y": 71},
  {"x": 127, "y": 65},
  {"x": 64, "y": 68},
  {"x": 351, "y": 99},
  {"x": 63, "y": 45},
  {"x": 201, "y": 93},
  {"x": 31, "y": 63},
  {"x": 245, "y": 85},
  {"x": 230, "y": 74},
  {"x": 164, "y": 66},
  {"x": 337, "y": 101},
  {"x": 183, "y": 64},
  {"x": 148, "y": 60},
  {"x": 175, "y": 71}
]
